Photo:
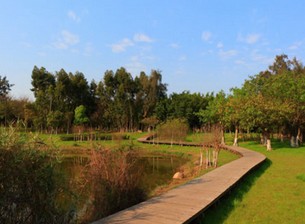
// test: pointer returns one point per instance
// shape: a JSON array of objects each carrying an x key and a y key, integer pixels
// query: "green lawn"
[{"x": 272, "y": 193}]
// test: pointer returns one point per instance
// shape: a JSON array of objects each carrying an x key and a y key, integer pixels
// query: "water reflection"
[{"x": 157, "y": 171}]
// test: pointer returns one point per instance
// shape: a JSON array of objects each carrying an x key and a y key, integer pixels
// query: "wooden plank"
[{"x": 183, "y": 203}]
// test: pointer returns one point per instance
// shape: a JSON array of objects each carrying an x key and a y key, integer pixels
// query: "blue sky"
[{"x": 200, "y": 46}]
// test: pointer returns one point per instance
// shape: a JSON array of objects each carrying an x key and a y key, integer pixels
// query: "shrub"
[
  {"x": 94, "y": 136},
  {"x": 27, "y": 181},
  {"x": 114, "y": 177},
  {"x": 173, "y": 130}
]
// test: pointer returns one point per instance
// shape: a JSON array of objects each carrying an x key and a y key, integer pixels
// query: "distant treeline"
[
  {"x": 117, "y": 102},
  {"x": 272, "y": 101}
]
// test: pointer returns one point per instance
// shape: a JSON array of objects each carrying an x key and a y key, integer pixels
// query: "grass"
[{"x": 272, "y": 193}]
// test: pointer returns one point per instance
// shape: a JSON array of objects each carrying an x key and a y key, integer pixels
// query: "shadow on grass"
[
  {"x": 275, "y": 143},
  {"x": 220, "y": 210}
]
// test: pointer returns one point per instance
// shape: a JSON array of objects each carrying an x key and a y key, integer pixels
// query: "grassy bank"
[
  {"x": 191, "y": 154},
  {"x": 272, "y": 193}
]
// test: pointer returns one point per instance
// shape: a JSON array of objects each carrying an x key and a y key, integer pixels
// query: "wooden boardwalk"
[{"x": 186, "y": 202}]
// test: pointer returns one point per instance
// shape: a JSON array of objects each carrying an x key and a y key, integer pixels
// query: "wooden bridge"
[{"x": 186, "y": 202}]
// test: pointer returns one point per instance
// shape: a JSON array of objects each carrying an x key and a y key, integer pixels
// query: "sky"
[{"x": 198, "y": 45}]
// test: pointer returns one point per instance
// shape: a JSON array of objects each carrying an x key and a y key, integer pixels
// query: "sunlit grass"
[{"x": 272, "y": 193}]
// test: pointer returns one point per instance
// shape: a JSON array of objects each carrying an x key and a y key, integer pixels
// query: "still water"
[{"x": 158, "y": 170}]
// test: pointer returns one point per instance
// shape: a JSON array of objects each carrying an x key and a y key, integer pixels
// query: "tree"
[
  {"x": 12, "y": 110},
  {"x": 43, "y": 83},
  {"x": 235, "y": 111},
  {"x": 267, "y": 106},
  {"x": 80, "y": 117},
  {"x": 5, "y": 87},
  {"x": 150, "y": 122},
  {"x": 186, "y": 106},
  {"x": 153, "y": 91},
  {"x": 174, "y": 130},
  {"x": 55, "y": 120},
  {"x": 63, "y": 94},
  {"x": 215, "y": 113},
  {"x": 212, "y": 141}
]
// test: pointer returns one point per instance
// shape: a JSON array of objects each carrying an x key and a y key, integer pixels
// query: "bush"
[
  {"x": 114, "y": 177},
  {"x": 94, "y": 136},
  {"x": 27, "y": 181},
  {"x": 173, "y": 130}
]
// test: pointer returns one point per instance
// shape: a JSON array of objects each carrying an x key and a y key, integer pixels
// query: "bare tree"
[
  {"x": 211, "y": 146},
  {"x": 112, "y": 179}
]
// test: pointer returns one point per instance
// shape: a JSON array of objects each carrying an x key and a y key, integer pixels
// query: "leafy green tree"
[
  {"x": 186, "y": 106},
  {"x": 80, "y": 116},
  {"x": 55, "y": 119},
  {"x": 63, "y": 94},
  {"x": 150, "y": 95},
  {"x": 174, "y": 130},
  {"x": 43, "y": 83},
  {"x": 80, "y": 91},
  {"x": 266, "y": 108},
  {"x": 5, "y": 88},
  {"x": 124, "y": 99},
  {"x": 215, "y": 113},
  {"x": 235, "y": 109},
  {"x": 12, "y": 110},
  {"x": 151, "y": 122}
]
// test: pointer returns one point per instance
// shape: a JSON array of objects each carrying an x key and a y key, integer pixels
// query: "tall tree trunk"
[
  {"x": 236, "y": 137},
  {"x": 222, "y": 136},
  {"x": 264, "y": 138},
  {"x": 269, "y": 148},
  {"x": 201, "y": 157},
  {"x": 299, "y": 137},
  {"x": 268, "y": 141},
  {"x": 292, "y": 141}
]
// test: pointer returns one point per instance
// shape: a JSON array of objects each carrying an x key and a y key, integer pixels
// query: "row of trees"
[
  {"x": 273, "y": 101},
  {"x": 117, "y": 102}
]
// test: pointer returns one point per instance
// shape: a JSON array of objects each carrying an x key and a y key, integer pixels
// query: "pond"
[{"x": 157, "y": 170}]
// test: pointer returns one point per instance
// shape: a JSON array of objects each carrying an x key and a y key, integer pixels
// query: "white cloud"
[
  {"x": 69, "y": 38},
  {"x": 66, "y": 40},
  {"x": 240, "y": 62},
  {"x": 72, "y": 15},
  {"x": 174, "y": 45},
  {"x": 126, "y": 42},
  {"x": 182, "y": 58},
  {"x": 219, "y": 45},
  {"x": 135, "y": 66},
  {"x": 227, "y": 54},
  {"x": 295, "y": 46},
  {"x": 122, "y": 45},
  {"x": 257, "y": 57},
  {"x": 206, "y": 36},
  {"x": 250, "y": 38},
  {"x": 140, "y": 37}
]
